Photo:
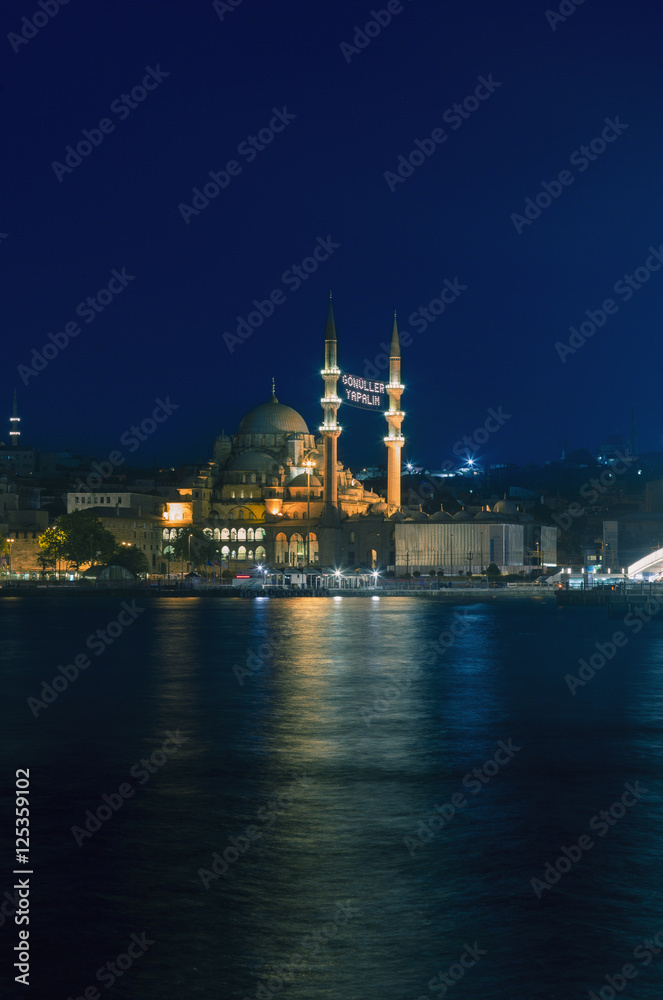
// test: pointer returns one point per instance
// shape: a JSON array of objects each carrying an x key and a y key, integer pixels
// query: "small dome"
[
  {"x": 273, "y": 418},
  {"x": 463, "y": 515},
  {"x": 379, "y": 508},
  {"x": 440, "y": 515},
  {"x": 505, "y": 507}
]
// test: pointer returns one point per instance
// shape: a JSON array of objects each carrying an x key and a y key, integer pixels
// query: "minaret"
[
  {"x": 14, "y": 421},
  {"x": 394, "y": 441},
  {"x": 330, "y": 404}
]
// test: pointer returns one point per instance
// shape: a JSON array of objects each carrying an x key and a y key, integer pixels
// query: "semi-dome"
[
  {"x": 273, "y": 418},
  {"x": 303, "y": 480},
  {"x": 253, "y": 461}
]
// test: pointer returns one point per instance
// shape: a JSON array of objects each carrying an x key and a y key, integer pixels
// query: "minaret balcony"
[
  {"x": 397, "y": 439},
  {"x": 331, "y": 371},
  {"x": 335, "y": 400}
]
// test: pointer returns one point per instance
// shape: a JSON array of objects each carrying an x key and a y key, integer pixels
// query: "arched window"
[
  {"x": 217, "y": 535},
  {"x": 233, "y": 554},
  {"x": 351, "y": 539},
  {"x": 233, "y": 534},
  {"x": 250, "y": 534},
  {"x": 241, "y": 494},
  {"x": 253, "y": 477},
  {"x": 225, "y": 534},
  {"x": 281, "y": 552},
  {"x": 241, "y": 535},
  {"x": 225, "y": 551},
  {"x": 240, "y": 514},
  {"x": 241, "y": 552},
  {"x": 173, "y": 533},
  {"x": 261, "y": 554},
  {"x": 260, "y": 533},
  {"x": 250, "y": 553},
  {"x": 166, "y": 533},
  {"x": 207, "y": 532}
]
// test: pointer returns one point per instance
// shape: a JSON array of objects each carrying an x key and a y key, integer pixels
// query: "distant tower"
[
  {"x": 14, "y": 421},
  {"x": 395, "y": 440},
  {"x": 330, "y": 404}
]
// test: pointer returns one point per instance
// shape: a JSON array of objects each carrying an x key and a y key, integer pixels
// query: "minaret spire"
[
  {"x": 330, "y": 404},
  {"x": 14, "y": 422},
  {"x": 394, "y": 416}
]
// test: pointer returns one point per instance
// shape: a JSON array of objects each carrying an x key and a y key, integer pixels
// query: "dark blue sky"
[{"x": 323, "y": 177}]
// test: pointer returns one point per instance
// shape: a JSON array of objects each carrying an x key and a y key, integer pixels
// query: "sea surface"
[{"x": 333, "y": 799}]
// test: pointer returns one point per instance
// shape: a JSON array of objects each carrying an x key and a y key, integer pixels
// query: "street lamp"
[
  {"x": 309, "y": 465},
  {"x": 11, "y": 542}
]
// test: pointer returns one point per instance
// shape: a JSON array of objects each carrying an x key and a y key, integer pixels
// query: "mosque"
[{"x": 277, "y": 494}]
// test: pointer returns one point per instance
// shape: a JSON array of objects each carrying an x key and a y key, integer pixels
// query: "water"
[{"x": 324, "y": 759}]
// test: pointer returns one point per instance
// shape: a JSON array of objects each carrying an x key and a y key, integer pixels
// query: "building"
[{"x": 279, "y": 495}]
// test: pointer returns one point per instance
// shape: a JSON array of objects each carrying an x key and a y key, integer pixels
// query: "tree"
[
  {"x": 130, "y": 558},
  {"x": 52, "y": 544},
  {"x": 198, "y": 551},
  {"x": 493, "y": 571}
]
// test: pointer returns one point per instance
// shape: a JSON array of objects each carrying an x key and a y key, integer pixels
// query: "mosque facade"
[{"x": 276, "y": 493}]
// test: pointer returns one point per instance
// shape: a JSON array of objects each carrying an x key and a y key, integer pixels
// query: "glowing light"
[{"x": 375, "y": 597}]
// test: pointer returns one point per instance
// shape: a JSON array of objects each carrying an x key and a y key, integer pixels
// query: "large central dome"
[{"x": 273, "y": 418}]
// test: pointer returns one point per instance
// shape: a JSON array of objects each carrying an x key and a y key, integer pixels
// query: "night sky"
[{"x": 343, "y": 115}]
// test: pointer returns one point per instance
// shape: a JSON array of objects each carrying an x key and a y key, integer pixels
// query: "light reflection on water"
[{"x": 300, "y": 752}]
